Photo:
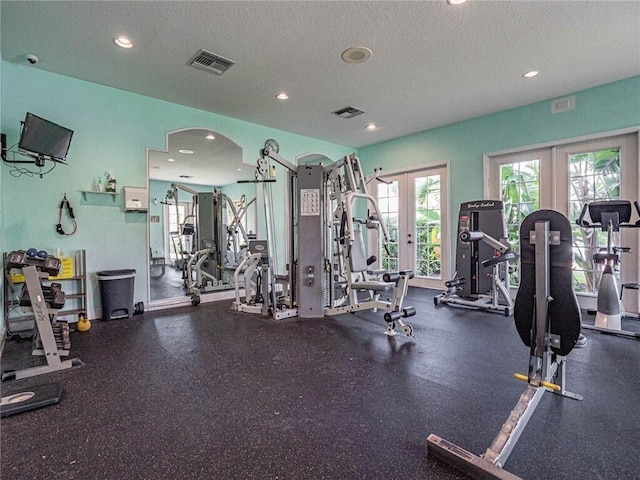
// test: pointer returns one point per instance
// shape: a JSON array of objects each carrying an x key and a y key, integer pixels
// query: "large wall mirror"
[{"x": 200, "y": 217}]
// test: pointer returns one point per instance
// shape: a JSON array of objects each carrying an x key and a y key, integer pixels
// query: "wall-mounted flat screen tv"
[{"x": 44, "y": 138}]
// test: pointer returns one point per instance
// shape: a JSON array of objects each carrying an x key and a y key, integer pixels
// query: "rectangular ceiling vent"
[
  {"x": 563, "y": 105},
  {"x": 348, "y": 112},
  {"x": 210, "y": 62}
]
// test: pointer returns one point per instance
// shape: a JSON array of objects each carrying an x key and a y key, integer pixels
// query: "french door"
[
  {"x": 564, "y": 178},
  {"x": 415, "y": 208}
]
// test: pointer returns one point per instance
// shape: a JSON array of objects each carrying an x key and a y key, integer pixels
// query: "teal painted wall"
[
  {"x": 601, "y": 109},
  {"x": 112, "y": 129}
]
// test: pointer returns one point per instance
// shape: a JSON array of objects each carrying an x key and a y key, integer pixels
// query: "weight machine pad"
[
  {"x": 564, "y": 312},
  {"x": 375, "y": 286}
]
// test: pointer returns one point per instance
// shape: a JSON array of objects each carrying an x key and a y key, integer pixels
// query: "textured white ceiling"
[
  {"x": 432, "y": 64},
  {"x": 214, "y": 162}
]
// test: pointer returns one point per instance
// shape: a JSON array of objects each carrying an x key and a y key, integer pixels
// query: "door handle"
[{"x": 410, "y": 242}]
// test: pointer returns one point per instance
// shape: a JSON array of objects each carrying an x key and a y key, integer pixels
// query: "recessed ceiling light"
[
  {"x": 170, "y": 160},
  {"x": 356, "y": 54},
  {"x": 371, "y": 126},
  {"x": 123, "y": 42},
  {"x": 211, "y": 136},
  {"x": 531, "y": 74},
  {"x": 239, "y": 169},
  {"x": 282, "y": 96},
  {"x": 456, "y": 2},
  {"x": 185, "y": 151}
]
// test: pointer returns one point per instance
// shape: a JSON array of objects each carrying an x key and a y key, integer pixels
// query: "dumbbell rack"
[
  {"x": 60, "y": 334},
  {"x": 45, "y": 341}
]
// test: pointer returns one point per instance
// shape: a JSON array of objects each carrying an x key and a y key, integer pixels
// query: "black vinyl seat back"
[{"x": 563, "y": 312}]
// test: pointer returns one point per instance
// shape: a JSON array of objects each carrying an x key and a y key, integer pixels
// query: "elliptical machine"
[
  {"x": 483, "y": 254},
  {"x": 609, "y": 216}
]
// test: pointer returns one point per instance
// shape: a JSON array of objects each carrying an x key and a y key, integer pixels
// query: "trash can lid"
[{"x": 116, "y": 273}]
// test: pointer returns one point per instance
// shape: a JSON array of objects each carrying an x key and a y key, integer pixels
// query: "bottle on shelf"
[{"x": 111, "y": 183}]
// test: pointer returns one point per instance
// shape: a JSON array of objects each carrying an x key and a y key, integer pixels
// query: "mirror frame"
[{"x": 186, "y": 299}]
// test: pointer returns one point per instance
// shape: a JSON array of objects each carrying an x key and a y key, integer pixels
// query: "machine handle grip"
[
  {"x": 550, "y": 385},
  {"x": 469, "y": 236},
  {"x": 581, "y": 218},
  {"x": 455, "y": 282}
]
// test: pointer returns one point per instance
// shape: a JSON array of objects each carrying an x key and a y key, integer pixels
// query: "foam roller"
[
  {"x": 408, "y": 312},
  {"x": 391, "y": 277},
  {"x": 392, "y": 316},
  {"x": 455, "y": 282}
]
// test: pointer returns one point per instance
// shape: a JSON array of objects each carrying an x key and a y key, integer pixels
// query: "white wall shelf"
[{"x": 91, "y": 192}]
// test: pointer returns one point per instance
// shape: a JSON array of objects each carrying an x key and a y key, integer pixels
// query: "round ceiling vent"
[{"x": 356, "y": 54}]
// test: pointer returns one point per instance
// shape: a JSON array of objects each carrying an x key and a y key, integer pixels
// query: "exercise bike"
[{"x": 610, "y": 216}]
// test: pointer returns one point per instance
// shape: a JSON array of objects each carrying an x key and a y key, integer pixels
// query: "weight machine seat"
[
  {"x": 377, "y": 272},
  {"x": 375, "y": 286},
  {"x": 506, "y": 257},
  {"x": 564, "y": 311}
]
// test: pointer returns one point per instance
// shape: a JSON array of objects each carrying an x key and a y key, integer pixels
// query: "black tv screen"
[{"x": 44, "y": 138}]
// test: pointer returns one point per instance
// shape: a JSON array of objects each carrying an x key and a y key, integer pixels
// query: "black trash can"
[{"x": 116, "y": 293}]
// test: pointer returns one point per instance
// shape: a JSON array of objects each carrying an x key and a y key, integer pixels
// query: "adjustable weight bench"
[{"x": 547, "y": 317}]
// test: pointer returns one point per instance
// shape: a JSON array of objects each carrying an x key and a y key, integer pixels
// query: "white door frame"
[
  {"x": 557, "y": 197},
  {"x": 407, "y": 220}
]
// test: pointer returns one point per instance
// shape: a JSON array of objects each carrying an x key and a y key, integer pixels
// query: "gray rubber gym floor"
[{"x": 206, "y": 393}]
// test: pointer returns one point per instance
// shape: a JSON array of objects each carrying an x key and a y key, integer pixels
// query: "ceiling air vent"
[
  {"x": 348, "y": 112},
  {"x": 210, "y": 62}
]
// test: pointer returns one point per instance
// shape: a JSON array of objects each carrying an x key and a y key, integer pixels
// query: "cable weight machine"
[
  {"x": 483, "y": 254},
  {"x": 328, "y": 268}
]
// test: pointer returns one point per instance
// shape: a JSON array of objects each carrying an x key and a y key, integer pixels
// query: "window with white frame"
[
  {"x": 593, "y": 175},
  {"x": 569, "y": 175},
  {"x": 388, "y": 204}
]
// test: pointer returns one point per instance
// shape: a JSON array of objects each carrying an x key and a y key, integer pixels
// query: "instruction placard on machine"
[{"x": 309, "y": 202}]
